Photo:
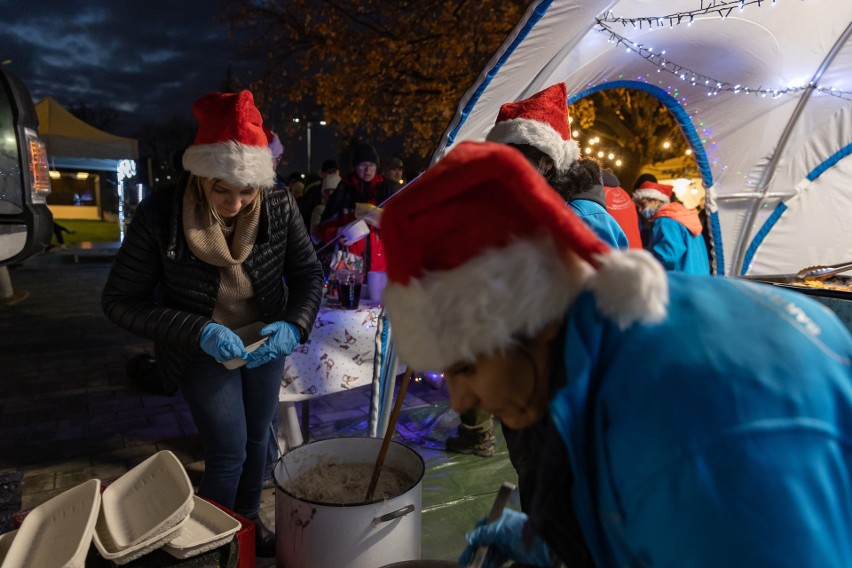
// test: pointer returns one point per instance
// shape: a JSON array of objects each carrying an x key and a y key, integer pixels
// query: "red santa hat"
[
  {"x": 480, "y": 250},
  {"x": 653, "y": 190},
  {"x": 231, "y": 144},
  {"x": 540, "y": 121}
]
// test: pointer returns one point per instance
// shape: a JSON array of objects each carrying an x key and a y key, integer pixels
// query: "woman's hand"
[
  {"x": 221, "y": 343},
  {"x": 283, "y": 338},
  {"x": 506, "y": 539}
]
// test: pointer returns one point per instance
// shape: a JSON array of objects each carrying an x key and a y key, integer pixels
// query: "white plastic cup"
[{"x": 376, "y": 283}]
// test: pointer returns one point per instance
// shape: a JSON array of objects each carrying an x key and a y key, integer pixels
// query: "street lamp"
[{"x": 308, "y": 124}]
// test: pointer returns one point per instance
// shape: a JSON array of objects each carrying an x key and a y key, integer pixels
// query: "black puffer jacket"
[{"x": 159, "y": 290}]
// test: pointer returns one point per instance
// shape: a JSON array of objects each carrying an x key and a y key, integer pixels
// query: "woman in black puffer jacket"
[{"x": 222, "y": 249}]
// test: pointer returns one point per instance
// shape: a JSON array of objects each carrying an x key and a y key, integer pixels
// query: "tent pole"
[{"x": 769, "y": 171}]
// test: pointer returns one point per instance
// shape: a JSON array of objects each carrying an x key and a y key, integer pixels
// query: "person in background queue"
[
  {"x": 394, "y": 174},
  {"x": 540, "y": 128},
  {"x": 733, "y": 447},
  {"x": 226, "y": 249},
  {"x": 363, "y": 185},
  {"x": 676, "y": 232},
  {"x": 314, "y": 192},
  {"x": 644, "y": 224},
  {"x": 621, "y": 207}
]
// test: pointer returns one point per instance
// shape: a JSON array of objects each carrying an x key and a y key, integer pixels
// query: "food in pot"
[
  {"x": 346, "y": 484},
  {"x": 840, "y": 284}
]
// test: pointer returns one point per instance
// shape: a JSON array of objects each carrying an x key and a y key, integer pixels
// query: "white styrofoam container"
[
  {"x": 5, "y": 542},
  {"x": 145, "y": 502},
  {"x": 209, "y": 527},
  {"x": 108, "y": 549},
  {"x": 356, "y": 231},
  {"x": 58, "y": 532},
  {"x": 250, "y": 334}
]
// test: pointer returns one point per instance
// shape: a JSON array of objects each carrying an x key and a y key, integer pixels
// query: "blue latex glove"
[
  {"x": 506, "y": 541},
  {"x": 221, "y": 343},
  {"x": 283, "y": 338}
]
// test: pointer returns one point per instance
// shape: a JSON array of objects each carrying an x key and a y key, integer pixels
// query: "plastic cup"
[
  {"x": 349, "y": 286},
  {"x": 376, "y": 282}
]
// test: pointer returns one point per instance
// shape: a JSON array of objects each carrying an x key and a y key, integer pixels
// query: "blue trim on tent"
[
  {"x": 534, "y": 18},
  {"x": 829, "y": 162},
  {"x": 674, "y": 107},
  {"x": 761, "y": 235},
  {"x": 692, "y": 138},
  {"x": 813, "y": 175},
  {"x": 716, "y": 230}
]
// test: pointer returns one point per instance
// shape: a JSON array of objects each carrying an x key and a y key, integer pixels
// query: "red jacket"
[
  {"x": 340, "y": 210},
  {"x": 621, "y": 207}
]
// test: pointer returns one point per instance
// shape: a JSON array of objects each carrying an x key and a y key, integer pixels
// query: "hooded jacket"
[{"x": 676, "y": 240}]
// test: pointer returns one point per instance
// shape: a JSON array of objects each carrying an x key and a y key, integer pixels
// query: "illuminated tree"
[
  {"x": 635, "y": 127},
  {"x": 379, "y": 67}
]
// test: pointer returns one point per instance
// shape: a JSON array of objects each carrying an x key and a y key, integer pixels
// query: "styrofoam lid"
[
  {"x": 250, "y": 334},
  {"x": 5, "y": 542},
  {"x": 207, "y": 524},
  {"x": 150, "y": 498},
  {"x": 111, "y": 552},
  {"x": 58, "y": 532}
]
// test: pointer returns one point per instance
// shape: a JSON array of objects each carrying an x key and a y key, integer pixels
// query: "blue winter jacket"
[
  {"x": 602, "y": 223},
  {"x": 720, "y": 437},
  {"x": 678, "y": 249}
]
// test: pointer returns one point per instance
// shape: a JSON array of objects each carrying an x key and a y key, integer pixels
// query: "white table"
[{"x": 347, "y": 349}]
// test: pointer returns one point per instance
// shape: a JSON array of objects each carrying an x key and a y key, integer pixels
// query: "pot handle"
[{"x": 394, "y": 515}]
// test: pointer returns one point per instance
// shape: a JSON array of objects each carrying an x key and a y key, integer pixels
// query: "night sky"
[{"x": 147, "y": 58}]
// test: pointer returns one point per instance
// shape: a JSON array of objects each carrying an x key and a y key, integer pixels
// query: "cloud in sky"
[{"x": 148, "y": 58}]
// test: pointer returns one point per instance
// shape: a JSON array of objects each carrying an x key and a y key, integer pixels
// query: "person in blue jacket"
[
  {"x": 701, "y": 422},
  {"x": 539, "y": 127},
  {"x": 677, "y": 239}
]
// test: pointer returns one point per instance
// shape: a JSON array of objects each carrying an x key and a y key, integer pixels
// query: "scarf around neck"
[{"x": 226, "y": 248}]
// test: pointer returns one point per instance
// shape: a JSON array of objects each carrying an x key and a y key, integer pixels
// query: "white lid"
[
  {"x": 5, "y": 542},
  {"x": 250, "y": 334},
  {"x": 146, "y": 501},
  {"x": 58, "y": 532},
  {"x": 209, "y": 527},
  {"x": 108, "y": 549}
]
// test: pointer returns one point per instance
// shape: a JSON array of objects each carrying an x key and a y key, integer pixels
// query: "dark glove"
[
  {"x": 506, "y": 540},
  {"x": 283, "y": 338},
  {"x": 221, "y": 343}
]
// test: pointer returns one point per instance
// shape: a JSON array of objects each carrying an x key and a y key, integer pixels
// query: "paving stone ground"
[{"x": 68, "y": 412}]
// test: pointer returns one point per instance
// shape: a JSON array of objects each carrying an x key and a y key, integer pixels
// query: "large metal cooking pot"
[{"x": 312, "y": 534}]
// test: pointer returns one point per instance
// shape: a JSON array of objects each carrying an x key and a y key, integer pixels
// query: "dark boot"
[
  {"x": 264, "y": 539},
  {"x": 469, "y": 442}
]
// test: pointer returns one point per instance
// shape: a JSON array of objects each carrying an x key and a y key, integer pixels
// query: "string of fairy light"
[
  {"x": 723, "y": 8},
  {"x": 714, "y": 86}
]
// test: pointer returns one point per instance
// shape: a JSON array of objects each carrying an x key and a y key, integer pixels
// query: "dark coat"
[{"x": 158, "y": 289}]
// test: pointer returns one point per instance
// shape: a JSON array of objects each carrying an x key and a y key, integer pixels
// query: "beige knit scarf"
[{"x": 227, "y": 248}]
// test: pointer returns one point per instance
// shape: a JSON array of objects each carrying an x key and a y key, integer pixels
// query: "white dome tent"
[{"x": 762, "y": 90}]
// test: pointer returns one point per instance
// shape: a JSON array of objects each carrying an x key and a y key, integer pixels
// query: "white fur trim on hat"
[
  {"x": 630, "y": 286},
  {"x": 232, "y": 162},
  {"x": 537, "y": 134},
  {"x": 649, "y": 193},
  {"x": 483, "y": 305}
]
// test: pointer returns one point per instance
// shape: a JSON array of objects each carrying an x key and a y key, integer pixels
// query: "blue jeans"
[{"x": 232, "y": 410}]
